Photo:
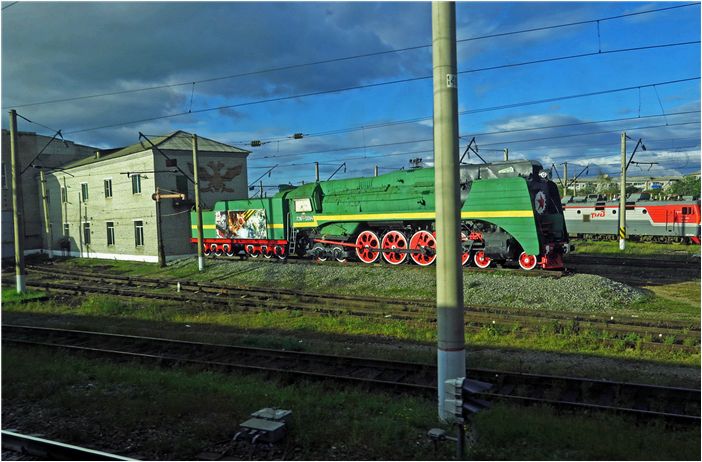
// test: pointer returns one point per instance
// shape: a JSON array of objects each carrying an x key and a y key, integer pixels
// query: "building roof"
[{"x": 176, "y": 141}]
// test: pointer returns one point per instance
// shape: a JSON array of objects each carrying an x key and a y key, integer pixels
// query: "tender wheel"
[
  {"x": 279, "y": 251},
  {"x": 266, "y": 252},
  {"x": 527, "y": 262},
  {"x": 251, "y": 251},
  {"x": 481, "y": 260},
  {"x": 423, "y": 240},
  {"x": 228, "y": 250},
  {"x": 394, "y": 240},
  {"x": 364, "y": 240},
  {"x": 206, "y": 251},
  {"x": 217, "y": 250}
]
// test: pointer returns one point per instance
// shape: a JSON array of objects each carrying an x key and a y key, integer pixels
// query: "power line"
[
  {"x": 428, "y": 151},
  {"x": 487, "y": 109},
  {"x": 7, "y": 6},
  {"x": 347, "y": 58},
  {"x": 282, "y": 98},
  {"x": 395, "y": 143}
]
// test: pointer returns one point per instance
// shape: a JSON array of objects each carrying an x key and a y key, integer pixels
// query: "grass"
[
  {"x": 10, "y": 295},
  {"x": 552, "y": 337},
  {"x": 644, "y": 249},
  {"x": 176, "y": 414}
]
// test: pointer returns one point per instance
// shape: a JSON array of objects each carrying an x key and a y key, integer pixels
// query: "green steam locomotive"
[{"x": 510, "y": 211}]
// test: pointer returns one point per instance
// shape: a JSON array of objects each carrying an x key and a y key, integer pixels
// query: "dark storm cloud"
[{"x": 59, "y": 50}]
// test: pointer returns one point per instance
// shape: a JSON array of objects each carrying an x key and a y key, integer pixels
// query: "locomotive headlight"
[{"x": 544, "y": 174}]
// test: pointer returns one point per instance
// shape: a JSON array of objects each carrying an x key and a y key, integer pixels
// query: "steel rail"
[
  {"x": 402, "y": 304},
  {"x": 676, "y": 403},
  {"x": 689, "y": 263},
  {"x": 475, "y": 323},
  {"x": 52, "y": 450},
  {"x": 318, "y": 304}
]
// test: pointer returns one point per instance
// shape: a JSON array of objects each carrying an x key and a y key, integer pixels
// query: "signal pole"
[
  {"x": 375, "y": 173},
  {"x": 316, "y": 171},
  {"x": 17, "y": 206},
  {"x": 565, "y": 179},
  {"x": 622, "y": 196},
  {"x": 451, "y": 361},
  {"x": 198, "y": 209}
]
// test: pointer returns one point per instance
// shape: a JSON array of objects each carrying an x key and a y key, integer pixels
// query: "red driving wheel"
[
  {"x": 425, "y": 240},
  {"x": 365, "y": 241},
  {"x": 394, "y": 240}
]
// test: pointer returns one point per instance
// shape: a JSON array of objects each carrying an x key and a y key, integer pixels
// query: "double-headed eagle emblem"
[{"x": 216, "y": 181}]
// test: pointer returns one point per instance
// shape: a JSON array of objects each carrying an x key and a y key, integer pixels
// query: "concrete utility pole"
[
  {"x": 17, "y": 206},
  {"x": 451, "y": 360},
  {"x": 375, "y": 173},
  {"x": 316, "y": 172},
  {"x": 565, "y": 179},
  {"x": 47, "y": 223},
  {"x": 198, "y": 209},
  {"x": 506, "y": 154},
  {"x": 622, "y": 197}
]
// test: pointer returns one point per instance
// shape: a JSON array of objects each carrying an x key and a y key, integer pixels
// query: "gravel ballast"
[{"x": 578, "y": 293}]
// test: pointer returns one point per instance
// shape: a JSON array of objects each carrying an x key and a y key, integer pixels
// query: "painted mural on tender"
[{"x": 241, "y": 224}]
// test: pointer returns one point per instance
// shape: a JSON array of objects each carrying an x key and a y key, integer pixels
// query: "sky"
[{"x": 355, "y": 79}]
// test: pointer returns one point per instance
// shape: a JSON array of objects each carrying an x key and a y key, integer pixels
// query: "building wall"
[
  {"x": 29, "y": 145},
  {"x": 223, "y": 176},
  {"x": 122, "y": 209}
]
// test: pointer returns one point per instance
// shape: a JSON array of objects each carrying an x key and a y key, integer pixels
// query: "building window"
[
  {"x": 139, "y": 233},
  {"x": 136, "y": 184},
  {"x": 64, "y": 195},
  {"x": 182, "y": 184},
  {"x": 84, "y": 191},
  {"x": 108, "y": 188},
  {"x": 4, "y": 175},
  {"x": 86, "y": 233},
  {"x": 110, "y": 233},
  {"x": 65, "y": 229}
]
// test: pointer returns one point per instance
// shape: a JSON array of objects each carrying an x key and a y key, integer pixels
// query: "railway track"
[
  {"x": 660, "y": 335},
  {"x": 688, "y": 263},
  {"x": 645, "y": 401},
  {"x": 45, "y": 449}
]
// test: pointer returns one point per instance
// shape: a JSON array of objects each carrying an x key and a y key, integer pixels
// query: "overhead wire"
[
  {"x": 358, "y": 56},
  {"x": 424, "y": 140},
  {"x": 489, "y": 108},
  {"x": 353, "y": 87}
]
